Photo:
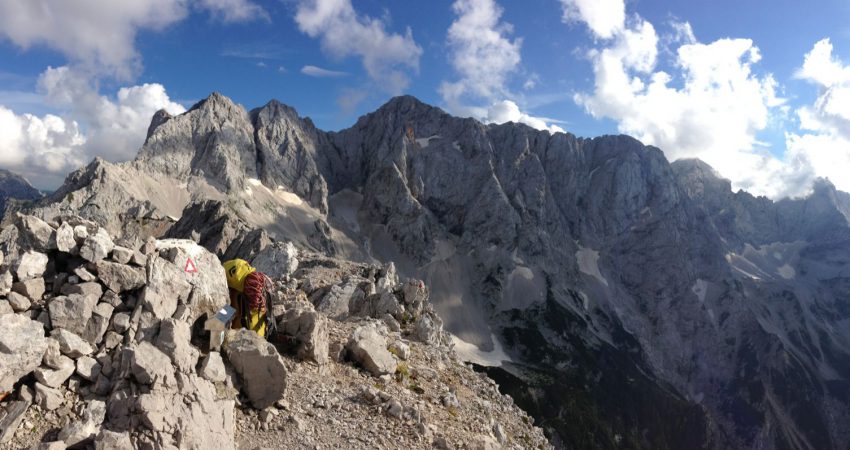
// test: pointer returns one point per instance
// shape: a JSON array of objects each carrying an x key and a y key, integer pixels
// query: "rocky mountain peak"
[
  {"x": 14, "y": 186},
  {"x": 216, "y": 101},
  {"x": 701, "y": 182}
]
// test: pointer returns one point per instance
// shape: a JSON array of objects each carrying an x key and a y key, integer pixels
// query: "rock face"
[{"x": 575, "y": 268}]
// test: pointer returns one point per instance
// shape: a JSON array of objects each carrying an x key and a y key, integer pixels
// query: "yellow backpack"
[{"x": 236, "y": 271}]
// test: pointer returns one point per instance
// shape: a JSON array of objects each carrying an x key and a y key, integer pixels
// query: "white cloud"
[
  {"x": 605, "y": 18},
  {"x": 711, "y": 107},
  {"x": 39, "y": 148},
  {"x": 100, "y": 35},
  {"x": 386, "y": 57},
  {"x": 234, "y": 10},
  {"x": 823, "y": 146},
  {"x": 481, "y": 51},
  {"x": 45, "y": 148},
  {"x": 485, "y": 57},
  {"x": 318, "y": 72},
  {"x": 508, "y": 111}
]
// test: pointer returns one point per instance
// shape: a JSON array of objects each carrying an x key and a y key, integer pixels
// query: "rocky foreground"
[{"x": 103, "y": 346}]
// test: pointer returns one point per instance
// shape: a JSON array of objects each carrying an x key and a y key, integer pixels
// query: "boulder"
[
  {"x": 111, "y": 440},
  {"x": 33, "y": 288},
  {"x": 37, "y": 233},
  {"x": 5, "y": 307},
  {"x": 335, "y": 303},
  {"x": 310, "y": 330},
  {"x": 119, "y": 277},
  {"x": 96, "y": 246},
  {"x": 427, "y": 330},
  {"x": 122, "y": 255},
  {"x": 70, "y": 344},
  {"x": 11, "y": 415},
  {"x": 166, "y": 287},
  {"x": 65, "y": 240},
  {"x": 387, "y": 279},
  {"x": 149, "y": 365},
  {"x": 92, "y": 289},
  {"x": 368, "y": 347},
  {"x": 212, "y": 368},
  {"x": 47, "y": 398},
  {"x": 31, "y": 265},
  {"x": 414, "y": 295},
  {"x": 400, "y": 349},
  {"x": 53, "y": 357},
  {"x": 377, "y": 305},
  {"x": 278, "y": 260},
  {"x": 259, "y": 365},
  {"x": 88, "y": 368},
  {"x": 84, "y": 274},
  {"x": 209, "y": 284},
  {"x": 139, "y": 259},
  {"x": 121, "y": 322},
  {"x": 18, "y": 302},
  {"x": 81, "y": 232},
  {"x": 72, "y": 312},
  {"x": 174, "y": 340},
  {"x": 191, "y": 418},
  {"x": 79, "y": 432},
  {"x": 98, "y": 323},
  {"x": 22, "y": 344},
  {"x": 53, "y": 378}
]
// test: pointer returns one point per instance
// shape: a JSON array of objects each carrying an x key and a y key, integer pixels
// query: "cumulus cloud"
[
  {"x": 45, "y": 149},
  {"x": 39, "y": 148},
  {"x": 605, "y": 18},
  {"x": 318, "y": 72},
  {"x": 100, "y": 35},
  {"x": 485, "y": 57},
  {"x": 822, "y": 148},
  {"x": 387, "y": 57},
  {"x": 508, "y": 111},
  {"x": 711, "y": 107}
]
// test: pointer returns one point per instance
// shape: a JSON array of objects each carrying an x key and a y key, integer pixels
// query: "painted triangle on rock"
[{"x": 190, "y": 266}]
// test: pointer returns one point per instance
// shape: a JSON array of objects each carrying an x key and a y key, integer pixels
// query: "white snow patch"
[
  {"x": 787, "y": 272},
  {"x": 254, "y": 182},
  {"x": 424, "y": 142},
  {"x": 588, "y": 263},
  {"x": 471, "y": 353},
  {"x": 288, "y": 197},
  {"x": 699, "y": 289}
]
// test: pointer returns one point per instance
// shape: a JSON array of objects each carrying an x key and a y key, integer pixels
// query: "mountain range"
[{"x": 622, "y": 300}]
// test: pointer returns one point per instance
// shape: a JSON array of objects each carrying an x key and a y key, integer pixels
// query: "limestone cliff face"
[{"x": 640, "y": 298}]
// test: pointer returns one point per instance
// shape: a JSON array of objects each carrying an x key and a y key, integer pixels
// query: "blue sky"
[{"x": 741, "y": 99}]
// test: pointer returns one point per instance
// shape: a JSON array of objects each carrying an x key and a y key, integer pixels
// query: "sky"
[{"x": 758, "y": 89}]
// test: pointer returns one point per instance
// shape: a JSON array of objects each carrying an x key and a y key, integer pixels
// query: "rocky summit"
[
  {"x": 109, "y": 352},
  {"x": 622, "y": 301}
]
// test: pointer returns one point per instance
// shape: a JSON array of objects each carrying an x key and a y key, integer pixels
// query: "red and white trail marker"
[{"x": 190, "y": 266}]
